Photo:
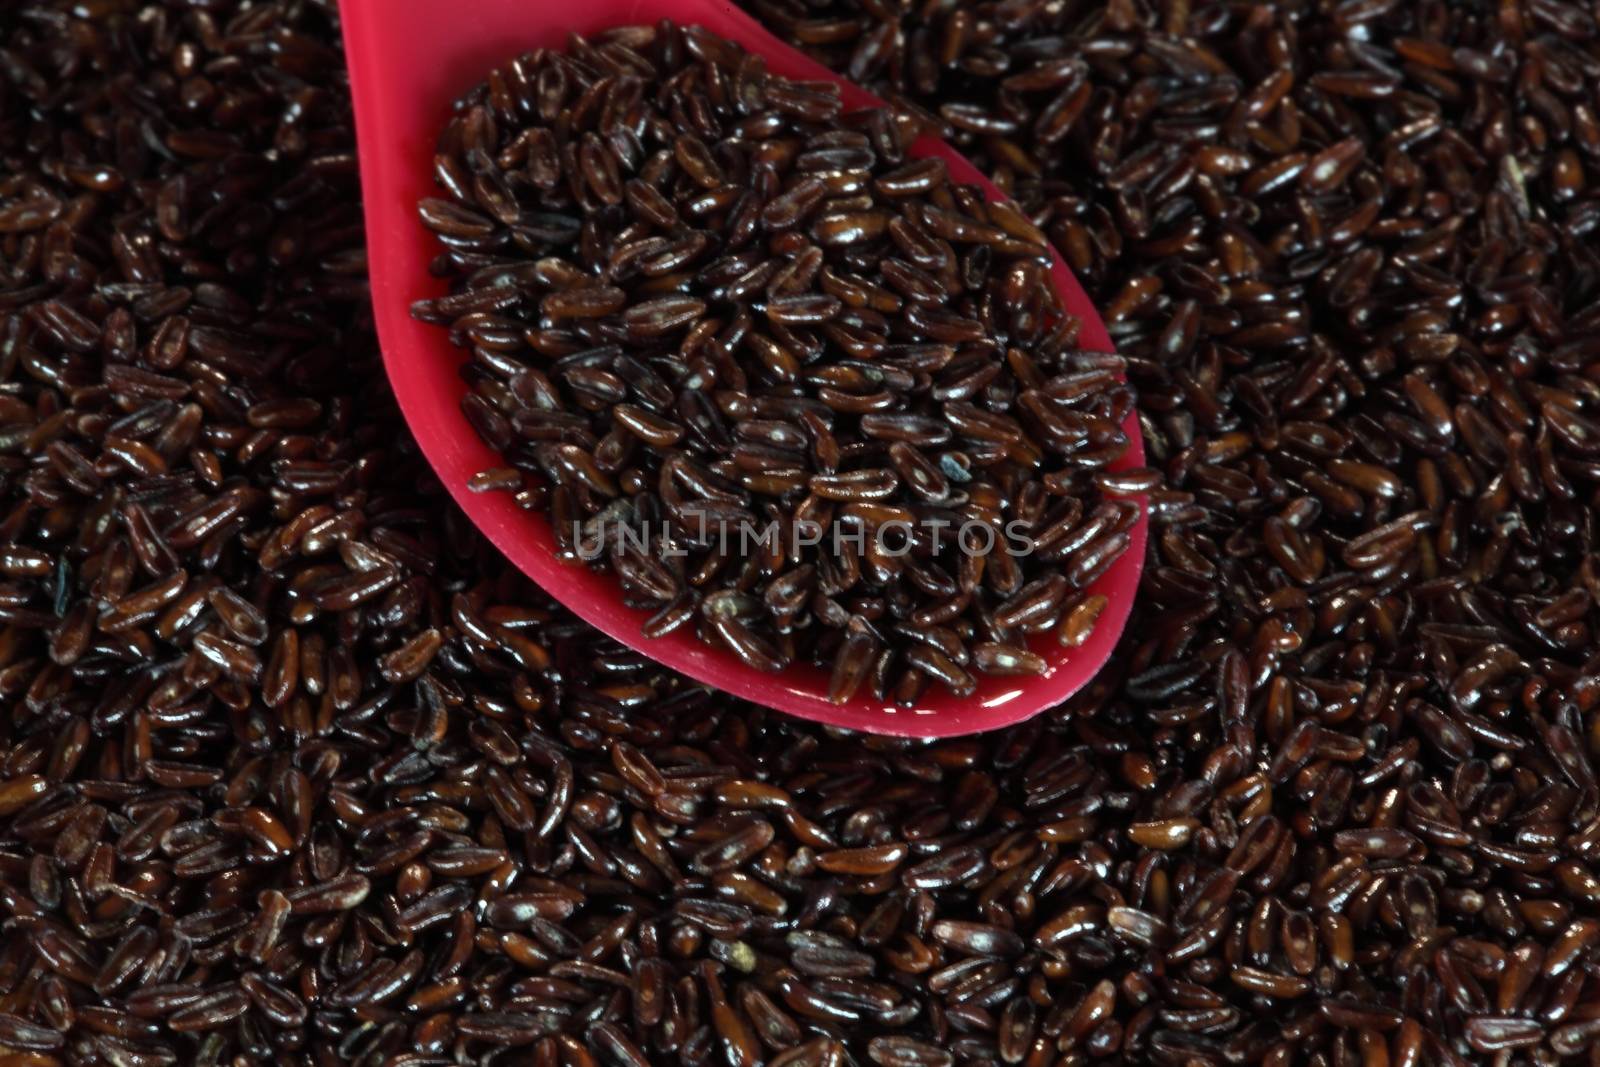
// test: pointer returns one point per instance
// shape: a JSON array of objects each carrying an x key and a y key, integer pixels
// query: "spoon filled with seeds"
[{"x": 742, "y": 364}]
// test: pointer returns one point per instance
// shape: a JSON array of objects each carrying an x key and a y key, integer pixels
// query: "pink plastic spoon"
[{"x": 409, "y": 59}]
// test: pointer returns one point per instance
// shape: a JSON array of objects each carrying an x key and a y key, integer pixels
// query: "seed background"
[{"x": 295, "y": 769}]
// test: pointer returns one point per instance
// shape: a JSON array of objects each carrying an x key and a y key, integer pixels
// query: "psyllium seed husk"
[{"x": 792, "y": 385}]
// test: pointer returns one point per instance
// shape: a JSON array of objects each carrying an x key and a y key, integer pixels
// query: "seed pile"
[
  {"x": 703, "y": 306},
  {"x": 1350, "y": 255},
  {"x": 354, "y": 793}
]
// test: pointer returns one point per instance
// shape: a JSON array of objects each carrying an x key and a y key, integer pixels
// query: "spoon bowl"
[{"x": 409, "y": 60}]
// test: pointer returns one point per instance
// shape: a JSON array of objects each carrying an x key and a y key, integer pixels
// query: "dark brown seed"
[
  {"x": 896, "y": 1051},
  {"x": 584, "y": 303}
]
